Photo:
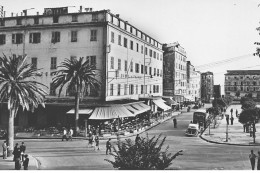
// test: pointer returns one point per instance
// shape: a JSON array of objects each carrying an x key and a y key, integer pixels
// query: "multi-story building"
[
  {"x": 174, "y": 81},
  {"x": 238, "y": 83},
  {"x": 128, "y": 61},
  {"x": 193, "y": 83},
  {"x": 207, "y": 83},
  {"x": 217, "y": 91}
]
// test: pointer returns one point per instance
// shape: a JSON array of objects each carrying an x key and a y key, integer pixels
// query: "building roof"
[{"x": 243, "y": 72}]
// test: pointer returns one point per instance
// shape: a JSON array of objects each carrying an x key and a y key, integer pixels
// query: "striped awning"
[
  {"x": 81, "y": 111},
  {"x": 138, "y": 108},
  {"x": 110, "y": 112}
]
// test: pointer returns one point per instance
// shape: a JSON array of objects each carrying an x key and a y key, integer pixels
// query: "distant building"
[
  {"x": 217, "y": 91},
  {"x": 193, "y": 83},
  {"x": 207, "y": 83},
  {"x": 174, "y": 70},
  {"x": 238, "y": 83}
]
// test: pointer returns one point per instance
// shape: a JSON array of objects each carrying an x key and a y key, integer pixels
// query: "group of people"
[
  {"x": 252, "y": 158},
  {"x": 93, "y": 141},
  {"x": 20, "y": 158},
  {"x": 67, "y": 134}
]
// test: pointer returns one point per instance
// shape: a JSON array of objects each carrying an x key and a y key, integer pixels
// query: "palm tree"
[
  {"x": 78, "y": 75},
  {"x": 18, "y": 88}
]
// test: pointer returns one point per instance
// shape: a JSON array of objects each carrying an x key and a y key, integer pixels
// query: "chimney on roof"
[
  {"x": 12, "y": 14},
  {"x": 37, "y": 13},
  {"x": 90, "y": 9},
  {"x": 117, "y": 15},
  {"x": 80, "y": 9}
]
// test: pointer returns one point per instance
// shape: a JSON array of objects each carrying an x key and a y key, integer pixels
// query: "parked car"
[{"x": 192, "y": 130}]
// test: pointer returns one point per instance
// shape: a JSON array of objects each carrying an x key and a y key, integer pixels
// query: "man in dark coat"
[
  {"x": 16, "y": 152},
  {"x": 175, "y": 122},
  {"x": 22, "y": 150},
  {"x": 232, "y": 119},
  {"x": 26, "y": 162},
  {"x": 108, "y": 146}
]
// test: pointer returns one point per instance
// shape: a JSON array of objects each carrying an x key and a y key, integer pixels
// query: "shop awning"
[
  {"x": 138, "y": 108},
  {"x": 81, "y": 111},
  {"x": 169, "y": 101},
  {"x": 160, "y": 103},
  {"x": 110, "y": 112}
]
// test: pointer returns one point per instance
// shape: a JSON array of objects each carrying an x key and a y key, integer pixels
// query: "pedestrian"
[
  {"x": 97, "y": 142},
  {"x": 26, "y": 162},
  {"x": 90, "y": 139},
  {"x": 22, "y": 150},
  {"x": 244, "y": 127},
  {"x": 16, "y": 152},
  {"x": 137, "y": 139},
  {"x": 258, "y": 161},
  {"x": 17, "y": 163},
  {"x": 70, "y": 134},
  {"x": 5, "y": 148},
  {"x": 108, "y": 146},
  {"x": 175, "y": 122},
  {"x": 227, "y": 119},
  {"x": 236, "y": 113},
  {"x": 231, "y": 111},
  {"x": 64, "y": 136},
  {"x": 232, "y": 119},
  {"x": 224, "y": 109},
  {"x": 93, "y": 141},
  {"x": 252, "y": 158}
]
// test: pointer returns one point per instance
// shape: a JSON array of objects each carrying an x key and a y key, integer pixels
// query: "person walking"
[
  {"x": 26, "y": 162},
  {"x": 108, "y": 146},
  {"x": 97, "y": 142},
  {"x": 64, "y": 136},
  {"x": 175, "y": 122},
  {"x": 70, "y": 134},
  {"x": 236, "y": 113},
  {"x": 232, "y": 119},
  {"x": 22, "y": 150},
  {"x": 258, "y": 161},
  {"x": 90, "y": 139},
  {"x": 5, "y": 148},
  {"x": 231, "y": 111},
  {"x": 227, "y": 119},
  {"x": 252, "y": 158}
]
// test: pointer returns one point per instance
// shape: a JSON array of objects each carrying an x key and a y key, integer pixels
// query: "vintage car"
[{"x": 192, "y": 130}]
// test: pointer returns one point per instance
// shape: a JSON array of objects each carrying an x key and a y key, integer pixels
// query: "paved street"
[{"x": 198, "y": 154}]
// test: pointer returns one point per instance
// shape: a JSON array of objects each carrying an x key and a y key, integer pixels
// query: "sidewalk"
[
  {"x": 236, "y": 134},
  {"x": 8, "y": 164}
]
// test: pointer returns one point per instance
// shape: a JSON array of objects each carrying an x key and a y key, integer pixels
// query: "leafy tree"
[
  {"x": 18, "y": 89},
  {"x": 237, "y": 93},
  {"x": 228, "y": 99},
  {"x": 250, "y": 116},
  {"x": 143, "y": 155},
  {"x": 247, "y": 103},
  {"x": 77, "y": 74},
  {"x": 219, "y": 102}
]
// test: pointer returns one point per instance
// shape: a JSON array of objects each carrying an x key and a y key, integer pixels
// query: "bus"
[{"x": 201, "y": 117}]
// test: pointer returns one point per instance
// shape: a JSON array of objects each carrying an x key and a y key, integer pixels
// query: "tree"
[
  {"x": 247, "y": 103},
  {"x": 143, "y": 155},
  {"x": 219, "y": 102},
  {"x": 18, "y": 89},
  {"x": 237, "y": 93},
  {"x": 250, "y": 116},
  {"x": 76, "y": 74}
]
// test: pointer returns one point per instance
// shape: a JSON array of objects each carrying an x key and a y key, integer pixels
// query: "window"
[
  {"x": 17, "y": 38},
  {"x": 145, "y": 69},
  {"x": 118, "y": 89},
  {"x": 136, "y": 89},
  {"x": 142, "y": 89},
  {"x": 150, "y": 70},
  {"x": 53, "y": 62},
  {"x": 34, "y": 63},
  {"x": 136, "y": 67},
  {"x": 119, "y": 40},
  {"x": 125, "y": 89},
  {"x": 125, "y": 65},
  {"x": 131, "y": 66},
  {"x": 146, "y": 51},
  {"x": 112, "y": 63},
  {"x": 52, "y": 90},
  {"x": 55, "y": 37},
  {"x": 142, "y": 69},
  {"x": 125, "y": 26},
  {"x": 154, "y": 72},
  {"x": 36, "y": 20},
  {"x": 119, "y": 64},
  {"x": 112, "y": 37},
  {"x": 18, "y": 21},
  {"x": 93, "y": 36},
  {"x": 157, "y": 55},
  {"x": 74, "y": 18},
  {"x": 55, "y": 19},
  {"x": 2, "y": 39},
  {"x": 125, "y": 42},
  {"x": 151, "y": 53},
  {"x": 137, "y": 47},
  {"x": 2, "y": 22},
  {"x": 131, "y": 89},
  {"x": 154, "y": 54},
  {"x": 94, "y": 17},
  {"x": 131, "y": 45},
  {"x": 111, "y": 89},
  {"x": 74, "y": 36},
  {"x": 131, "y": 29},
  {"x": 35, "y": 38},
  {"x": 142, "y": 49}
]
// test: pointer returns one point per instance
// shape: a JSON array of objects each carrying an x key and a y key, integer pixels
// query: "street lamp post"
[{"x": 227, "y": 133}]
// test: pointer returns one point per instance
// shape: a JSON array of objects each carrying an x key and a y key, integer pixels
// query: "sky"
[{"x": 210, "y": 31}]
